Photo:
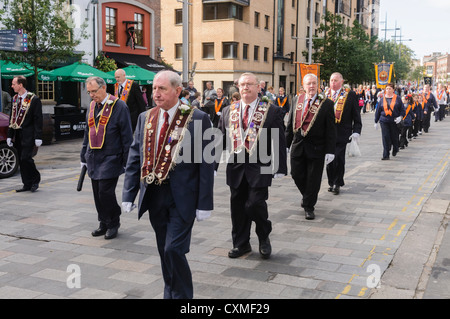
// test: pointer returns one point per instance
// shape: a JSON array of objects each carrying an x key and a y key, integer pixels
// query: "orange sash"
[
  {"x": 388, "y": 110},
  {"x": 126, "y": 90},
  {"x": 281, "y": 104},
  {"x": 407, "y": 110},
  {"x": 218, "y": 106},
  {"x": 439, "y": 96}
]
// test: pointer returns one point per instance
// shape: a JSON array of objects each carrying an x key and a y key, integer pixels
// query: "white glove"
[
  {"x": 82, "y": 164},
  {"x": 376, "y": 126},
  {"x": 354, "y": 136},
  {"x": 9, "y": 142},
  {"x": 287, "y": 150},
  {"x": 219, "y": 113},
  {"x": 215, "y": 173},
  {"x": 279, "y": 175},
  {"x": 398, "y": 120},
  {"x": 202, "y": 214},
  {"x": 128, "y": 207},
  {"x": 329, "y": 158},
  {"x": 38, "y": 142}
]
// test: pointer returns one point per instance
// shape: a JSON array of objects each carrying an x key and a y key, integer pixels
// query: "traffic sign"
[{"x": 13, "y": 40}]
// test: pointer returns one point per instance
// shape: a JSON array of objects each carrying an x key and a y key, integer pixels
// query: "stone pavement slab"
[{"x": 46, "y": 250}]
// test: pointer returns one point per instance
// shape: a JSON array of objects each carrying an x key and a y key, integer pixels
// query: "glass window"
[
  {"x": 178, "y": 51},
  {"x": 47, "y": 90},
  {"x": 208, "y": 50},
  {"x": 256, "y": 53},
  {"x": 245, "y": 51},
  {"x": 139, "y": 29},
  {"x": 178, "y": 16},
  {"x": 111, "y": 25},
  {"x": 230, "y": 50}
]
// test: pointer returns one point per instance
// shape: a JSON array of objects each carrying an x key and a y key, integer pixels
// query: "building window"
[
  {"x": 293, "y": 30},
  {"x": 256, "y": 53},
  {"x": 179, "y": 16},
  {"x": 208, "y": 50},
  {"x": 178, "y": 51},
  {"x": 245, "y": 51},
  {"x": 229, "y": 50},
  {"x": 111, "y": 25},
  {"x": 219, "y": 11},
  {"x": 266, "y": 54},
  {"x": 266, "y": 22},
  {"x": 47, "y": 90},
  {"x": 256, "y": 19},
  {"x": 139, "y": 29}
]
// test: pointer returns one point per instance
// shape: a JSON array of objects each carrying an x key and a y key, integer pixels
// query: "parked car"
[{"x": 9, "y": 161}]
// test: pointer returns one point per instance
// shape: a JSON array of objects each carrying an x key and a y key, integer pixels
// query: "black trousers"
[
  {"x": 426, "y": 122},
  {"x": 28, "y": 171},
  {"x": 249, "y": 204},
  {"x": 336, "y": 169},
  {"x": 307, "y": 175},
  {"x": 390, "y": 138},
  {"x": 173, "y": 239},
  {"x": 108, "y": 209}
]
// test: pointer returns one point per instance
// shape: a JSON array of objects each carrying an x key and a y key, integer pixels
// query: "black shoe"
[
  {"x": 23, "y": 189},
  {"x": 34, "y": 187},
  {"x": 385, "y": 158},
  {"x": 394, "y": 153},
  {"x": 112, "y": 232},
  {"x": 265, "y": 249},
  {"x": 309, "y": 214},
  {"x": 401, "y": 147},
  {"x": 336, "y": 190},
  {"x": 99, "y": 232},
  {"x": 238, "y": 252},
  {"x": 330, "y": 189}
]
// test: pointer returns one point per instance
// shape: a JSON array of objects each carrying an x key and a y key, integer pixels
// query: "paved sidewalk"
[{"x": 388, "y": 223}]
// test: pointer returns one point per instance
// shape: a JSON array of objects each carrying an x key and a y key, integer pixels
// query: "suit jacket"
[
  {"x": 251, "y": 166},
  {"x": 31, "y": 126},
  {"x": 350, "y": 120},
  {"x": 191, "y": 180},
  {"x": 321, "y": 138},
  {"x": 136, "y": 104},
  {"x": 109, "y": 161},
  {"x": 398, "y": 110}
]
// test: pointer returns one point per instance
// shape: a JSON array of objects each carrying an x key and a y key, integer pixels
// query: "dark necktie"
[
  {"x": 299, "y": 118},
  {"x": 120, "y": 90},
  {"x": 162, "y": 133},
  {"x": 245, "y": 118}
]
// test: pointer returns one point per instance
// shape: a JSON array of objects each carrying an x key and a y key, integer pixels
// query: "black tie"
[{"x": 120, "y": 90}]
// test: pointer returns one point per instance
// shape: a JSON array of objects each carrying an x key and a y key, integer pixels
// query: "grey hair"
[
  {"x": 249, "y": 74},
  {"x": 311, "y": 75},
  {"x": 97, "y": 79},
  {"x": 174, "y": 78}
]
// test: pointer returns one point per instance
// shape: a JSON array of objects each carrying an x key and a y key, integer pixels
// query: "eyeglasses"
[
  {"x": 93, "y": 91},
  {"x": 243, "y": 85}
]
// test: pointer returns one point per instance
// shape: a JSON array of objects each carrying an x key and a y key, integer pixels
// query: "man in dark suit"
[
  {"x": 348, "y": 127},
  {"x": 249, "y": 127},
  {"x": 107, "y": 138},
  {"x": 283, "y": 102},
  {"x": 129, "y": 92},
  {"x": 311, "y": 130},
  {"x": 25, "y": 132},
  {"x": 169, "y": 167}
]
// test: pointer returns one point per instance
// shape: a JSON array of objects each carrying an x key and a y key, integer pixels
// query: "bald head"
[{"x": 120, "y": 76}]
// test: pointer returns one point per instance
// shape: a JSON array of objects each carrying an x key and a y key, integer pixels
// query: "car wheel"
[{"x": 9, "y": 161}]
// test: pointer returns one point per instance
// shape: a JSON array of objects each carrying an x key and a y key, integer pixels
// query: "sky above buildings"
[{"x": 425, "y": 22}]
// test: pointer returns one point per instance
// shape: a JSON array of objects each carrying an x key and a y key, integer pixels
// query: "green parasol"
[
  {"x": 76, "y": 72},
  {"x": 136, "y": 73}
]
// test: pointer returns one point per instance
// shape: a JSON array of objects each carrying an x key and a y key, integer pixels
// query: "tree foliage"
[
  {"x": 350, "y": 51},
  {"x": 49, "y": 27}
]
